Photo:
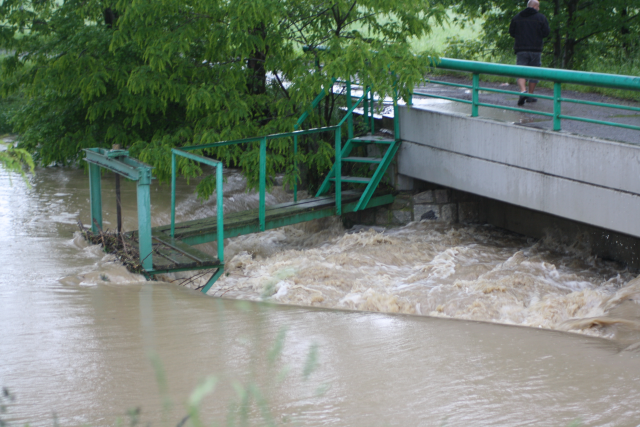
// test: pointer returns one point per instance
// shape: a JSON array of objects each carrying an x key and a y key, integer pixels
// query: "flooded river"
[{"x": 427, "y": 324}]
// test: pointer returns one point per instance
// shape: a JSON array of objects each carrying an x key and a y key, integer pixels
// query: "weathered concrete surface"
[{"x": 584, "y": 179}]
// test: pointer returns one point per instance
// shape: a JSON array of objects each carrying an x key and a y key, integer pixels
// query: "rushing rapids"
[{"x": 474, "y": 272}]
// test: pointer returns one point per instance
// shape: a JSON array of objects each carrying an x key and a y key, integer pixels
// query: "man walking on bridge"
[{"x": 529, "y": 28}]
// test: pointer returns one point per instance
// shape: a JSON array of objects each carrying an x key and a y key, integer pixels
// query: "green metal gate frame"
[{"x": 118, "y": 161}]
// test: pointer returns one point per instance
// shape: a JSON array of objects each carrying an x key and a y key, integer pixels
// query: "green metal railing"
[
  {"x": 367, "y": 113},
  {"x": 337, "y": 129},
  {"x": 558, "y": 77},
  {"x": 219, "y": 193}
]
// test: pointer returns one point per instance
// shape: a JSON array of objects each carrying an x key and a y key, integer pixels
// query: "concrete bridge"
[
  {"x": 533, "y": 177},
  {"x": 581, "y": 178}
]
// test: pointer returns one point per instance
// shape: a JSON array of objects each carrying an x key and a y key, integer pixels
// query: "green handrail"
[
  {"x": 219, "y": 193},
  {"x": 185, "y": 152},
  {"x": 552, "y": 74},
  {"x": 301, "y": 120},
  {"x": 119, "y": 162},
  {"x": 557, "y": 76}
]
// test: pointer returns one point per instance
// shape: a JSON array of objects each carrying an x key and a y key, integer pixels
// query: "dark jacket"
[{"x": 529, "y": 28}]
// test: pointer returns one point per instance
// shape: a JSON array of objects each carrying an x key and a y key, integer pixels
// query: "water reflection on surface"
[{"x": 79, "y": 346}]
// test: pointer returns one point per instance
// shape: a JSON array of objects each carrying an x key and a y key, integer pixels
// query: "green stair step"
[
  {"x": 179, "y": 255},
  {"x": 362, "y": 159},
  {"x": 369, "y": 139},
  {"x": 354, "y": 179}
]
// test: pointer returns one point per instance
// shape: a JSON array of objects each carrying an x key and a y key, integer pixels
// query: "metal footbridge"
[{"x": 169, "y": 248}]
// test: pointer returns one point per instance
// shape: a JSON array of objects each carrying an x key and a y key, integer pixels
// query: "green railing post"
[
  {"x": 220, "y": 202},
  {"x": 263, "y": 181},
  {"x": 557, "y": 105},
  {"x": 396, "y": 119},
  {"x": 295, "y": 168},
  {"x": 349, "y": 105},
  {"x": 144, "y": 221},
  {"x": 173, "y": 194},
  {"x": 474, "y": 95},
  {"x": 338, "y": 170},
  {"x": 95, "y": 194},
  {"x": 365, "y": 105}
]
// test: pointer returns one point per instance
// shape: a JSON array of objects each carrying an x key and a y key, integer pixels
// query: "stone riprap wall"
[{"x": 438, "y": 204}]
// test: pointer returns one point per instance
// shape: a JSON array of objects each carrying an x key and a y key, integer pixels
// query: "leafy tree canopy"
[
  {"x": 575, "y": 25},
  {"x": 151, "y": 75}
]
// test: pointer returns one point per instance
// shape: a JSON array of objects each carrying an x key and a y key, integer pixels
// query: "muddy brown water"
[{"x": 426, "y": 324}]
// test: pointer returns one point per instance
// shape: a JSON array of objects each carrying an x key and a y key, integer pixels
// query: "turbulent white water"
[
  {"x": 472, "y": 272},
  {"x": 77, "y": 327}
]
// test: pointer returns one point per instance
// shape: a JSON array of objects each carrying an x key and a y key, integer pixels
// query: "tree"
[
  {"x": 168, "y": 73},
  {"x": 575, "y": 24}
]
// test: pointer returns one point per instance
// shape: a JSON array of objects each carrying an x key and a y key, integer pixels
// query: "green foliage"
[
  {"x": 472, "y": 49},
  {"x": 151, "y": 76},
  {"x": 16, "y": 160},
  {"x": 577, "y": 26},
  {"x": 8, "y": 108}
]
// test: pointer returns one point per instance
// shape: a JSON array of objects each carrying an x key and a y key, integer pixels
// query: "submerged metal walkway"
[
  {"x": 550, "y": 171},
  {"x": 245, "y": 222},
  {"x": 168, "y": 248},
  {"x": 176, "y": 253}
]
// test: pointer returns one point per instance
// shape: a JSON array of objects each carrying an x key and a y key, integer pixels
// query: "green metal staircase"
[{"x": 388, "y": 146}]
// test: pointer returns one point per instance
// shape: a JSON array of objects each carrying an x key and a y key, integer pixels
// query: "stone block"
[
  {"x": 401, "y": 202},
  {"x": 365, "y": 217},
  {"x": 401, "y": 217},
  {"x": 441, "y": 196},
  {"x": 426, "y": 212},
  {"x": 382, "y": 217},
  {"x": 468, "y": 212},
  {"x": 449, "y": 212},
  {"x": 424, "y": 197}
]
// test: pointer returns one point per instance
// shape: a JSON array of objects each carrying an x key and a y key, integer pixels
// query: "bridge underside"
[{"x": 176, "y": 254}]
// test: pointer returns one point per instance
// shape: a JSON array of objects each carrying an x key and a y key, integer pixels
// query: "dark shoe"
[
  {"x": 531, "y": 99},
  {"x": 521, "y": 100}
]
